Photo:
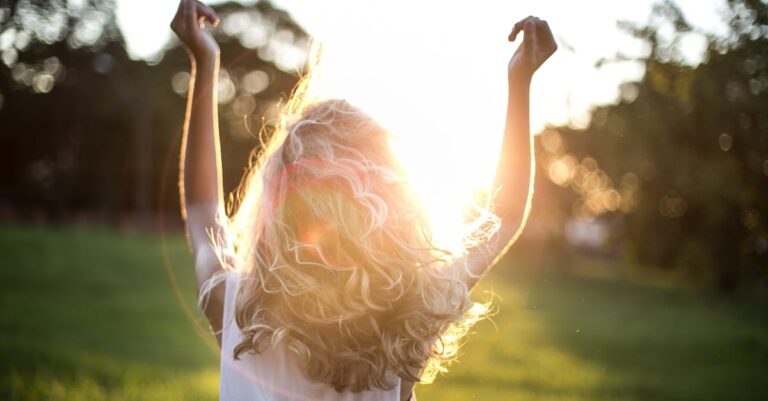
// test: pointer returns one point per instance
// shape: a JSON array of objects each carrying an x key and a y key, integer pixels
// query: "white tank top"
[{"x": 275, "y": 374}]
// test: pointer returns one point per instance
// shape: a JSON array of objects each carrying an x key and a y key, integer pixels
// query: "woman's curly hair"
[{"x": 336, "y": 259}]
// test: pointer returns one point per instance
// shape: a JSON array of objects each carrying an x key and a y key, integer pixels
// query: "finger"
[
  {"x": 207, "y": 12},
  {"x": 180, "y": 19},
  {"x": 518, "y": 27},
  {"x": 529, "y": 37},
  {"x": 184, "y": 10},
  {"x": 546, "y": 33},
  {"x": 181, "y": 12},
  {"x": 191, "y": 12},
  {"x": 515, "y": 30}
]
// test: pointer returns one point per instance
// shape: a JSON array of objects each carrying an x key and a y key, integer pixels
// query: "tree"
[
  {"x": 88, "y": 131},
  {"x": 681, "y": 161}
]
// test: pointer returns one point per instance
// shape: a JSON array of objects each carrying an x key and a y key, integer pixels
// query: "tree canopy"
[
  {"x": 672, "y": 175},
  {"x": 676, "y": 171},
  {"x": 91, "y": 131}
]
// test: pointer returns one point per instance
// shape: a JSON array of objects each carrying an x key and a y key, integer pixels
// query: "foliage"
[
  {"x": 673, "y": 175},
  {"x": 92, "y": 130},
  {"x": 678, "y": 167}
]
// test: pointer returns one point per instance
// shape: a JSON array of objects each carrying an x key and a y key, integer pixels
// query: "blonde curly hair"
[{"x": 336, "y": 256}]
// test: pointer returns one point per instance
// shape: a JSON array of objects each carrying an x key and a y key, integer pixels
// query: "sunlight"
[
  {"x": 445, "y": 140},
  {"x": 441, "y": 91},
  {"x": 447, "y": 126},
  {"x": 438, "y": 81}
]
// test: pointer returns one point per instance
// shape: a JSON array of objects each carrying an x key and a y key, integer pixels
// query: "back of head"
[{"x": 336, "y": 257}]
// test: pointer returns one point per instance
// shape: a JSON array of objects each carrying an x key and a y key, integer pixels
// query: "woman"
[{"x": 325, "y": 283}]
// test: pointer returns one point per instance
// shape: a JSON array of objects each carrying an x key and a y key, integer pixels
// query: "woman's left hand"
[{"x": 538, "y": 45}]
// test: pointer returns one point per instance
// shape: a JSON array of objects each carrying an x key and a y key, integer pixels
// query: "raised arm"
[
  {"x": 200, "y": 187},
  {"x": 514, "y": 174}
]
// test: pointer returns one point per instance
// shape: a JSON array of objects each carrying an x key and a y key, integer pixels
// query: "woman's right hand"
[{"x": 189, "y": 26}]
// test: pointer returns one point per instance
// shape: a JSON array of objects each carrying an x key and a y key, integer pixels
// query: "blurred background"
[{"x": 644, "y": 267}]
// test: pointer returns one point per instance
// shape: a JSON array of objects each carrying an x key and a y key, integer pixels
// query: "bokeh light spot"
[
  {"x": 180, "y": 82},
  {"x": 255, "y": 82},
  {"x": 725, "y": 141}
]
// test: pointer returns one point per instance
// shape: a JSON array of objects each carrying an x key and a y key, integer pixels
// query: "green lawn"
[{"x": 91, "y": 315}]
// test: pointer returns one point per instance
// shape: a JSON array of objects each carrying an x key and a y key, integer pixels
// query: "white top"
[{"x": 275, "y": 374}]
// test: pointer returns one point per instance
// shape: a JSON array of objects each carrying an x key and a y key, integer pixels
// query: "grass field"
[{"x": 92, "y": 315}]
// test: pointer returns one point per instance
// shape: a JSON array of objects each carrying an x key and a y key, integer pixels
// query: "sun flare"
[{"x": 447, "y": 145}]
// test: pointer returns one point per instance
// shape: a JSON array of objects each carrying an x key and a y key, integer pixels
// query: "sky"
[
  {"x": 467, "y": 45},
  {"x": 434, "y": 72}
]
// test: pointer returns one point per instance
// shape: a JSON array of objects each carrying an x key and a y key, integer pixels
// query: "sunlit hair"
[{"x": 336, "y": 258}]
